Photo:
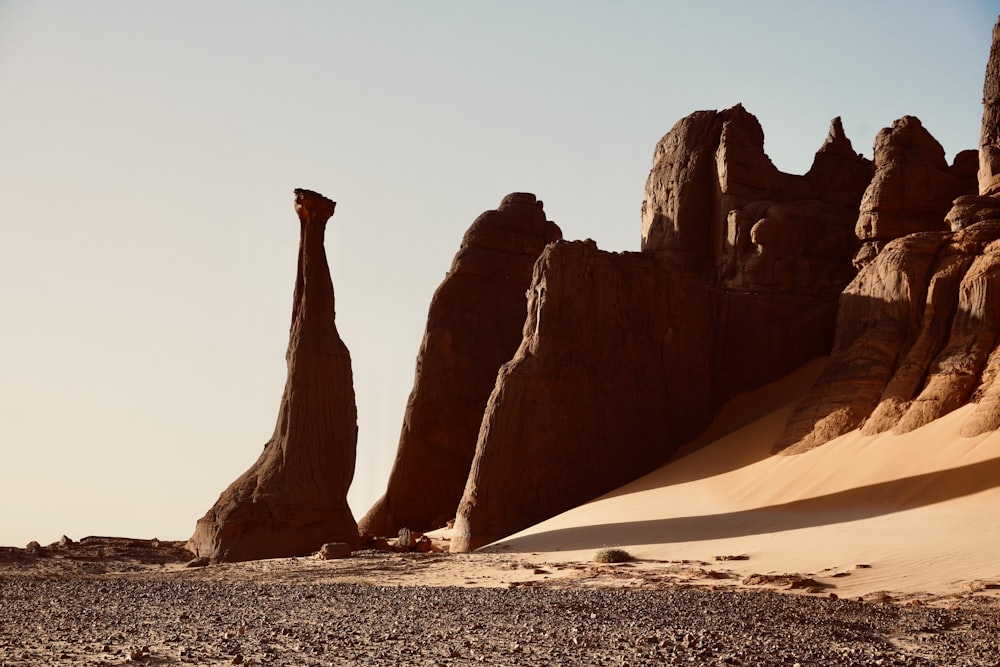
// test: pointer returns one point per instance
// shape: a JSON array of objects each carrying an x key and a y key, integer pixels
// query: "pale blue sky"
[{"x": 148, "y": 153}]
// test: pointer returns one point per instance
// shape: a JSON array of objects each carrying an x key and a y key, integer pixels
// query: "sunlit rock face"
[
  {"x": 473, "y": 326},
  {"x": 294, "y": 498},
  {"x": 716, "y": 205},
  {"x": 913, "y": 187},
  {"x": 918, "y": 328},
  {"x": 989, "y": 138}
]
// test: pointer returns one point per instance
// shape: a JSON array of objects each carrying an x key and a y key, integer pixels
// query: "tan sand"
[{"x": 919, "y": 510}]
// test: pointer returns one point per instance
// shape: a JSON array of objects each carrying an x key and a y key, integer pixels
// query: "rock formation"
[
  {"x": 473, "y": 326},
  {"x": 626, "y": 356},
  {"x": 294, "y": 498},
  {"x": 716, "y": 205},
  {"x": 989, "y": 137},
  {"x": 608, "y": 380},
  {"x": 913, "y": 186},
  {"x": 918, "y": 328}
]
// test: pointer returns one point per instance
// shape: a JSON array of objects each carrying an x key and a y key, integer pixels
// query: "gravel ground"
[{"x": 95, "y": 620}]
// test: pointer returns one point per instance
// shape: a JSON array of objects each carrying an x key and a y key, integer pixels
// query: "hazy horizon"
[{"x": 148, "y": 154}]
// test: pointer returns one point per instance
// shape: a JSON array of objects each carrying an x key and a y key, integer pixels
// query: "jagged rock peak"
[
  {"x": 293, "y": 499},
  {"x": 473, "y": 326},
  {"x": 913, "y": 187}
]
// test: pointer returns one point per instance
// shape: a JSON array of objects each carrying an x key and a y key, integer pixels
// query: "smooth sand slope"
[{"x": 922, "y": 510}]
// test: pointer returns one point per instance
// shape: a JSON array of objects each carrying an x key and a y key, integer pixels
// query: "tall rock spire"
[
  {"x": 989, "y": 138},
  {"x": 294, "y": 498}
]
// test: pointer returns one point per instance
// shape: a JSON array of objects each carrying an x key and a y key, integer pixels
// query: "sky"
[{"x": 148, "y": 153}]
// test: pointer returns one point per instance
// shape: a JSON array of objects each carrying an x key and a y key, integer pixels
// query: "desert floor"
[{"x": 873, "y": 550}]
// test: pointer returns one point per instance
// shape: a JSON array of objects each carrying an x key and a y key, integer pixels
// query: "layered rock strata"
[
  {"x": 474, "y": 325},
  {"x": 293, "y": 499}
]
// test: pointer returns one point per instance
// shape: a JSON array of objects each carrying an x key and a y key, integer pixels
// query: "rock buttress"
[
  {"x": 294, "y": 498},
  {"x": 613, "y": 373},
  {"x": 473, "y": 326}
]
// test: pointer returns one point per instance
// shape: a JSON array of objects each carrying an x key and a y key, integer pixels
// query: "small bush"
[{"x": 612, "y": 556}]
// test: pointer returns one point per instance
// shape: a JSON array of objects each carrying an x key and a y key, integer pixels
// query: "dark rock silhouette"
[
  {"x": 473, "y": 326},
  {"x": 294, "y": 498}
]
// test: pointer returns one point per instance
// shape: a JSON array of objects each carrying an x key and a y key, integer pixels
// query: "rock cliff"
[
  {"x": 473, "y": 326},
  {"x": 607, "y": 381},
  {"x": 626, "y": 356},
  {"x": 294, "y": 498},
  {"x": 917, "y": 329},
  {"x": 913, "y": 187}
]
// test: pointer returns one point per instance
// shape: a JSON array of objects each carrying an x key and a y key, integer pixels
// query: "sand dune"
[{"x": 919, "y": 509}]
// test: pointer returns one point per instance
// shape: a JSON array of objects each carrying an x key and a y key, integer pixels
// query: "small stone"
[
  {"x": 201, "y": 561},
  {"x": 65, "y": 541},
  {"x": 237, "y": 660},
  {"x": 34, "y": 548},
  {"x": 334, "y": 550}
]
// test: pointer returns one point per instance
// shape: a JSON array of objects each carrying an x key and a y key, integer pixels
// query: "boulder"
[
  {"x": 473, "y": 326},
  {"x": 293, "y": 499}
]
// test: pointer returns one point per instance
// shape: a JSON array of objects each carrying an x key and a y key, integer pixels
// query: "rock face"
[
  {"x": 913, "y": 186},
  {"x": 606, "y": 383},
  {"x": 716, "y": 205},
  {"x": 916, "y": 339},
  {"x": 294, "y": 498},
  {"x": 918, "y": 328},
  {"x": 989, "y": 138},
  {"x": 473, "y": 326},
  {"x": 626, "y": 356}
]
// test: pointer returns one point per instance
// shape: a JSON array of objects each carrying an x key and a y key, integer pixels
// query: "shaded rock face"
[
  {"x": 606, "y": 383},
  {"x": 913, "y": 187},
  {"x": 473, "y": 326},
  {"x": 716, "y": 205},
  {"x": 294, "y": 498}
]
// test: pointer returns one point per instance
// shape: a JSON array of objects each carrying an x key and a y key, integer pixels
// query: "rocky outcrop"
[
  {"x": 612, "y": 374},
  {"x": 918, "y": 328},
  {"x": 626, "y": 356},
  {"x": 294, "y": 498},
  {"x": 989, "y": 138},
  {"x": 916, "y": 339},
  {"x": 913, "y": 187},
  {"x": 473, "y": 326},
  {"x": 716, "y": 205}
]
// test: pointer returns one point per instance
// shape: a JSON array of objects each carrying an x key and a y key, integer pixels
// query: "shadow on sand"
[{"x": 855, "y": 504}]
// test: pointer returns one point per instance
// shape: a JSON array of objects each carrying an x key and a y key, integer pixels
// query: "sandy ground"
[
  {"x": 856, "y": 526},
  {"x": 912, "y": 515}
]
